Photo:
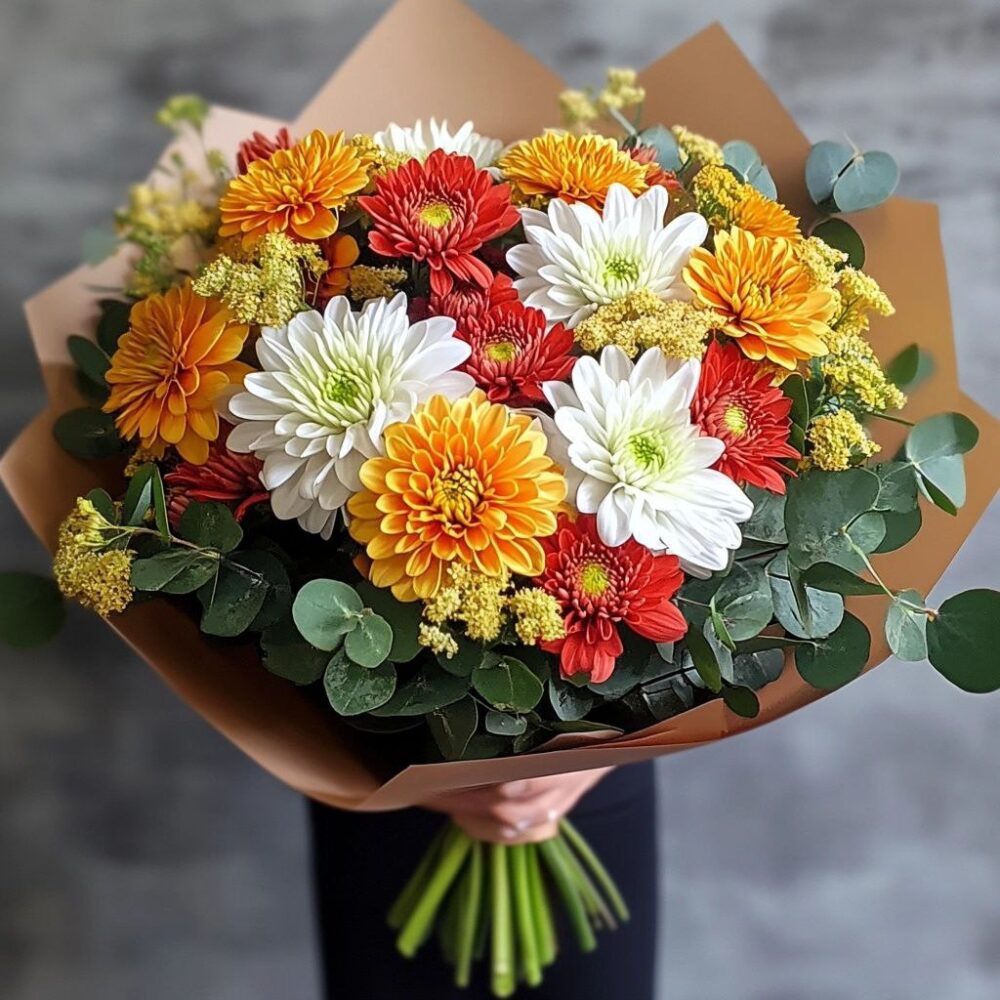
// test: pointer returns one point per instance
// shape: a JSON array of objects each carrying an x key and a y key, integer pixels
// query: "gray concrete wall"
[{"x": 849, "y": 852}]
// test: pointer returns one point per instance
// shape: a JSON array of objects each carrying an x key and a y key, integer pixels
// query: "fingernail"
[
  {"x": 552, "y": 815},
  {"x": 515, "y": 789},
  {"x": 508, "y": 833},
  {"x": 523, "y": 824}
]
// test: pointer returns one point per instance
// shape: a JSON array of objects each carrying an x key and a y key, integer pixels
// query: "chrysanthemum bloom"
[
  {"x": 656, "y": 176},
  {"x": 577, "y": 259},
  {"x": 440, "y": 211},
  {"x": 726, "y": 201},
  {"x": 737, "y": 403},
  {"x": 598, "y": 586},
  {"x": 225, "y": 478},
  {"x": 260, "y": 147},
  {"x": 420, "y": 141},
  {"x": 295, "y": 191},
  {"x": 468, "y": 304},
  {"x": 466, "y": 481},
  {"x": 573, "y": 168},
  {"x": 764, "y": 297},
  {"x": 176, "y": 360},
  {"x": 329, "y": 385},
  {"x": 634, "y": 457}
]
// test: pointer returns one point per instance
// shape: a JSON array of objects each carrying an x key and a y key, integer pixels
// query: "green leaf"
[
  {"x": 754, "y": 670},
  {"x": 326, "y": 610},
  {"x": 667, "y": 697},
  {"x": 139, "y": 495},
  {"x": 897, "y": 493},
  {"x": 826, "y": 512},
  {"x": 175, "y": 571},
  {"x": 507, "y": 684},
  {"x": 210, "y": 525},
  {"x": 836, "y": 579},
  {"x": 502, "y": 724},
  {"x": 910, "y": 367},
  {"x": 568, "y": 701},
  {"x": 428, "y": 690},
  {"x": 696, "y": 595},
  {"x": 741, "y": 701},
  {"x": 744, "y": 160},
  {"x": 32, "y": 609},
  {"x": 470, "y": 654},
  {"x": 821, "y": 614},
  {"x": 824, "y": 165},
  {"x": 832, "y": 662},
  {"x": 353, "y": 689},
  {"x": 113, "y": 322},
  {"x": 88, "y": 433},
  {"x": 453, "y": 726},
  {"x": 370, "y": 642},
  {"x": 934, "y": 446},
  {"x": 704, "y": 659},
  {"x": 841, "y": 236},
  {"x": 900, "y": 529},
  {"x": 963, "y": 639},
  {"x": 720, "y": 629},
  {"x": 744, "y": 602},
  {"x": 278, "y": 600},
  {"x": 90, "y": 359},
  {"x": 868, "y": 181},
  {"x": 767, "y": 522},
  {"x": 288, "y": 655},
  {"x": 403, "y": 616},
  {"x": 638, "y": 661},
  {"x": 906, "y": 628},
  {"x": 662, "y": 140},
  {"x": 232, "y": 600},
  {"x": 104, "y": 505},
  {"x": 794, "y": 387}
]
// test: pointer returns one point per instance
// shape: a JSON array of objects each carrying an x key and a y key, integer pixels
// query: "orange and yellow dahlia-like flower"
[
  {"x": 571, "y": 167},
  {"x": 761, "y": 216},
  {"x": 764, "y": 298},
  {"x": 467, "y": 480},
  {"x": 177, "y": 357},
  {"x": 295, "y": 191}
]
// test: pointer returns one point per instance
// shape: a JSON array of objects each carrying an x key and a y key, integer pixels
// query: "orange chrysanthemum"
[
  {"x": 764, "y": 297},
  {"x": 295, "y": 191},
  {"x": 467, "y": 480},
  {"x": 177, "y": 357},
  {"x": 761, "y": 216},
  {"x": 571, "y": 167}
]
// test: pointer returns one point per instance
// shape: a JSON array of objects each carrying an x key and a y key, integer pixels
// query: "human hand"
[{"x": 517, "y": 812}]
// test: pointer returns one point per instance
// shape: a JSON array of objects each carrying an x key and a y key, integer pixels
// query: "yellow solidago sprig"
[
  {"x": 641, "y": 319},
  {"x": 837, "y": 441},
  {"x": 860, "y": 295},
  {"x": 268, "y": 289},
  {"x": 621, "y": 91},
  {"x": 86, "y": 567},
  {"x": 697, "y": 148},
  {"x": 855, "y": 375},
  {"x": 366, "y": 282},
  {"x": 480, "y": 606}
]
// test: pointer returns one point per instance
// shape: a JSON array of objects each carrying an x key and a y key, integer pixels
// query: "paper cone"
[{"x": 486, "y": 77}]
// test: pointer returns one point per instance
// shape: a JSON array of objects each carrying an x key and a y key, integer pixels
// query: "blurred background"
[{"x": 849, "y": 851}]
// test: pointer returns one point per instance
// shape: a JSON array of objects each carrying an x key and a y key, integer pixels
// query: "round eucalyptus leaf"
[
  {"x": 897, "y": 492},
  {"x": 662, "y": 140},
  {"x": 403, "y": 616},
  {"x": 370, "y": 642},
  {"x": 88, "y": 433},
  {"x": 743, "y": 601},
  {"x": 233, "y": 598},
  {"x": 868, "y": 181},
  {"x": 767, "y": 523},
  {"x": 754, "y": 670},
  {"x": 210, "y": 525},
  {"x": 326, "y": 610},
  {"x": 963, "y": 640},
  {"x": 502, "y": 724},
  {"x": 824, "y": 610},
  {"x": 353, "y": 689},
  {"x": 288, "y": 655},
  {"x": 844, "y": 237},
  {"x": 426, "y": 691},
  {"x": 507, "y": 684},
  {"x": 453, "y": 726},
  {"x": 900, "y": 529},
  {"x": 569, "y": 702},
  {"x": 832, "y": 662},
  {"x": 32, "y": 609},
  {"x": 470, "y": 654},
  {"x": 906, "y": 627},
  {"x": 825, "y": 163},
  {"x": 741, "y": 701},
  {"x": 942, "y": 434}
]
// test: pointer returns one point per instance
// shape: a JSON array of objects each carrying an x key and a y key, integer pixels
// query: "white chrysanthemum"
[
  {"x": 577, "y": 258},
  {"x": 636, "y": 460},
  {"x": 329, "y": 385},
  {"x": 421, "y": 140}
]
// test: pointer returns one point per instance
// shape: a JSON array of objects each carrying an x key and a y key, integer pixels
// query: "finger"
[{"x": 493, "y": 832}]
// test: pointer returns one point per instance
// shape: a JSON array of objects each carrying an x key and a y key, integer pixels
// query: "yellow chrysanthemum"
[
  {"x": 763, "y": 296},
  {"x": 177, "y": 358},
  {"x": 571, "y": 167},
  {"x": 727, "y": 201},
  {"x": 466, "y": 481},
  {"x": 295, "y": 190}
]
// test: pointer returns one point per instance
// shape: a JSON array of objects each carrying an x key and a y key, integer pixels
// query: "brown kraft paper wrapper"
[{"x": 481, "y": 75}]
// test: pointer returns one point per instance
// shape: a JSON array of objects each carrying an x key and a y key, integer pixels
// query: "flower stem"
[
  {"x": 563, "y": 878},
  {"x": 593, "y": 862},
  {"x": 470, "y": 917},
  {"x": 504, "y": 979},
  {"x": 544, "y": 928},
  {"x": 407, "y": 899},
  {"x": 525, "y": 917}
]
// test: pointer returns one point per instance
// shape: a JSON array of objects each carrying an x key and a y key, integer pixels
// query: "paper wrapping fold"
[{"x": 486, "y": 77}]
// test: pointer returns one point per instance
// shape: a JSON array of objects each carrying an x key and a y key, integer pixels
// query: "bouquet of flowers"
[{"x": 487, "y": 446}]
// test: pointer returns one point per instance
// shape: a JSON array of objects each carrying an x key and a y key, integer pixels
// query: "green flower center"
[
  {"x": 436, "y": 214},
  {"x": 735, "y": 420},
  {"x": 646, "y": 450},
  {"x": 593, "y": 579},
  {"x": 341, "y": 387},
  {"x": 501, "y": 350},
  {"x": 619, "y": 267}
]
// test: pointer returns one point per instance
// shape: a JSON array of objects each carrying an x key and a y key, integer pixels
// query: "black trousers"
[{"x": 362, "y": 861}]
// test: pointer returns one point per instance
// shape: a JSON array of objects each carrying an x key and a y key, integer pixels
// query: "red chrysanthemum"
[
  {"x": 468, "y": 304},
  {"x": 597, "y": 587},
  {"x": 260, "y": 147},
  {"x": 512, "y": 351},
  {"x": 737, "y": 403},
  {"x": 440, "y": 211},
  {"x": 226, "y": 477}
]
